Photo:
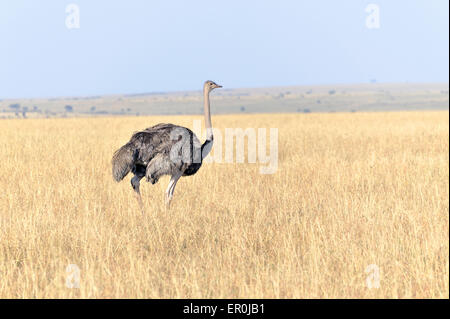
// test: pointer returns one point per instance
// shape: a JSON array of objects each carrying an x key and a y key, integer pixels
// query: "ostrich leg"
[
  {"x": 171, "y": 188},
  {"x": 135, "y": 183}
]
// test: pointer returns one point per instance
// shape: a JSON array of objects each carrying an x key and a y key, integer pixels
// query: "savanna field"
[{"x": 351, "y": 190}]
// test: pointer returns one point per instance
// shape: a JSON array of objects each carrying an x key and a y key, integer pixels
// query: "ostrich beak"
[{"x": 218, "y": 86}]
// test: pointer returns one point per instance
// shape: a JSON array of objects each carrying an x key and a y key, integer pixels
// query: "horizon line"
[{"x": 94, "y": 96}]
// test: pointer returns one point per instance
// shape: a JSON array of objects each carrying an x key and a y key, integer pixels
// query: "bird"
[{"x": 164, "y": 149}]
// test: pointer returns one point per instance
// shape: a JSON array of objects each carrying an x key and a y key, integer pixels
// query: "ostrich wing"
[{"x": 171, "y": 142}]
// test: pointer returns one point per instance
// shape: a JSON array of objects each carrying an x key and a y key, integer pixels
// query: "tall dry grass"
[{"x": 351, "y": 190}]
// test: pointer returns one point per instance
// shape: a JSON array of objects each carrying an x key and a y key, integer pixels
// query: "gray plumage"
[{"x": 163, "y": 149}]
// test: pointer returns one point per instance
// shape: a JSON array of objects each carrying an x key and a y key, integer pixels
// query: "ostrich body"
[{"x": 164, "y": 149}]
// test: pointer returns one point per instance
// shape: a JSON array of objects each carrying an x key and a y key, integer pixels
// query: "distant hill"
[{"x": 305, "y": 99}]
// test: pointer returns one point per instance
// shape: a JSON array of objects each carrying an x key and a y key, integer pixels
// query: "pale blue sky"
[{"x": 138, "y": 46}]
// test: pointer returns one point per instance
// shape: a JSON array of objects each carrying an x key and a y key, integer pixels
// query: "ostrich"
[{"x": 164, "y": 149}]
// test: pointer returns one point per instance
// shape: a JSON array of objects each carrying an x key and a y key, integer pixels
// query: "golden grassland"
[{"x": 352, "y": 189}]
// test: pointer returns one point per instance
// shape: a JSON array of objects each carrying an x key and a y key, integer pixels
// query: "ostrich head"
[{"x": 210, "y": 85}]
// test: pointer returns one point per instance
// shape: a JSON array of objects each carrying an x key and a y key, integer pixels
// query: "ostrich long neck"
[
  {"x": 208, "y": 125},
  {"x": 206, "y": 147}
]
